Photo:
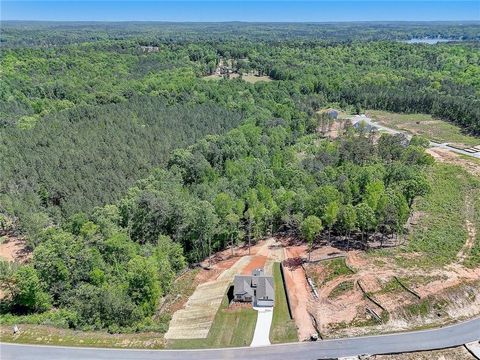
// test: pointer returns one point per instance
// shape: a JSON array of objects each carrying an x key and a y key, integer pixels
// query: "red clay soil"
[
  {"x": 356, "y": 260},
  {"x": 220, "y": 257},
  {"x": 257, "y": 262},
  {"x": 325, "y": 252},
  {"x": 299, "y": 296},
  {"x": 207, "y": 275},
  {"x": 344, "y": 308}
]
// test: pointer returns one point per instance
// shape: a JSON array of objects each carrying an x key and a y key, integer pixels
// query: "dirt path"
[
  {"x": 471, "y": 231},
  {"x": 276, "y": 254},
  {"x": 300, "y": 297}
]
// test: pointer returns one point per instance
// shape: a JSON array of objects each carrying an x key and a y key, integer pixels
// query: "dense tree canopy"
[{"x": 122, "y": 165}]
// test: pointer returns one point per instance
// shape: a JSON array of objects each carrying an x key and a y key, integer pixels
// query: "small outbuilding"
[
  {"x": 332, "y": 113},
  {"x": 256, "y": 288}
]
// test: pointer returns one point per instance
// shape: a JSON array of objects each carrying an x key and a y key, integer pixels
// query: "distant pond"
[{"x": 428, "y": 41}]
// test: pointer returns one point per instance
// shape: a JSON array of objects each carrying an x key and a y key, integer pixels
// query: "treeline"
[
  {"x": 462, "y": 110},
  {"x": 109, "y": 268},
  {"x": 81, "y": 123},
  {"x": 86, "y": 156},
  {"x": 24, "y": 33},
  {"x": 442, "y": 79}
]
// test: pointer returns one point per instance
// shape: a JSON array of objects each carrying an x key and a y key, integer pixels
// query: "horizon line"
[{"x": 244, "y": 21}]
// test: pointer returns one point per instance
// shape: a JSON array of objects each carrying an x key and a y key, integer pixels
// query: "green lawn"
[
  {"x": 440, "y": 232},
  {"x": 474, "y": 258},
  {"x": 283, "y": 327},
  {"x": 50, "y": 335},
  {"x": 231, "y": 327},
  {"x": 425, "y": 125}
]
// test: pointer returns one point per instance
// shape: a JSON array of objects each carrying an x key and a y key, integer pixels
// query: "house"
[
  {"x": 149, "y": 49},
  {"x": 332, "y": 113},
  {"x": 364, "y": 126},
  {"x": 256, "y": 288}
]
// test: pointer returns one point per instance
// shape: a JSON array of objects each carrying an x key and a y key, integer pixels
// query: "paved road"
[
  {"x": 449, "y": 336},
  {"x": 369, "y": 121}
]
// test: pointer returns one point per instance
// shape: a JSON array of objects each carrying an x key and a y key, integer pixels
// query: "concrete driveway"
[{"x": 261, "y": 336}]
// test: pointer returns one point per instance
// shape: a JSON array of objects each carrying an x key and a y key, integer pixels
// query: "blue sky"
[{"x": 231, "y": 10}]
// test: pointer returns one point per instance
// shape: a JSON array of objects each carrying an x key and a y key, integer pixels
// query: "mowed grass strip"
[
  {"x": 441, "y": 231},
  {"x": 50, "y": 335},
  {"x": 231, "y": 327},
  {"x": 283, "y": 327}
]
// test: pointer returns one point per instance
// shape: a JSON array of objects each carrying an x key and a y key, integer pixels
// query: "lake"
[{"x": 428, "y": 41}]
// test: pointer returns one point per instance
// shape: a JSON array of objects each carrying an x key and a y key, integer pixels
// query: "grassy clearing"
[
  {"x": 336, "y": 268},
  {"x": 327, "y": 270},
  {"x": 47, "y": 335},
  {"x": 341, "y": 289},
  {"x": 440, "y": 232},
  {"x": 283, "y": 327},
  {"x": 391, "y": 286},
  {"x": 231, "y": 327},
  {"x": 473, "y": 259},
  {"x": 254, "y": 79},
  {"x": 425, "y": 125},
  {"x": 425, "y": 307},
  {"x": 182, "y": 288}
]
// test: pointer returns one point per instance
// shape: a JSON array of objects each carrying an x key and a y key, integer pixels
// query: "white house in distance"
[{"x": 256, "y": 288}]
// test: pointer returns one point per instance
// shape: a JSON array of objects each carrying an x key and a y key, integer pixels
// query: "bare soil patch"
[
  {"x": 257, "y": 262},
  {"x": 458, "y": 353},
  {"x": 471, "y": 231},
  {"x": 345, "y": 314},
  {"x": 443, "y": 155},
  {"x": 300, "y": 296},
  {"x": 13, "y": 248}
]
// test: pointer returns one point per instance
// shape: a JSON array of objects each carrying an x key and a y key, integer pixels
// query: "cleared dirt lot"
[
  {"x": 300, "y": 296},
  {"x": 13, "y": 248},
  {"x": 443, "y": 155},
  {"x": 446, "y": 294},
  {"x": 425, "y": 125}
]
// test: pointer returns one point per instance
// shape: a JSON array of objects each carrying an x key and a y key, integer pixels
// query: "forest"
[{"x": 122, "y": 165}]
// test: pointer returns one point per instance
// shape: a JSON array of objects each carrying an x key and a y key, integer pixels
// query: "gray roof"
[
  {"x": 264, "y": 285},
  {"x": 242, "y": 285},
  {"x": 332, "y": 112},
  {"x": 257, "y": 272},
  {"x": 265, "y": 289}
]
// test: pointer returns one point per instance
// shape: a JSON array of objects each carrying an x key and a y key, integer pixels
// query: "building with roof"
[
  {"x": 256, "y": 288},
  {"x": 332, "y": 113}
]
